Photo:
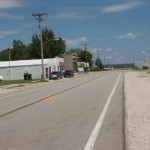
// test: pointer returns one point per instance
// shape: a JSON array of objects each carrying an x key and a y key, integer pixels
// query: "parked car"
[
  {"x": 55, "y": 75},
  {"x": 68, "y": 73}
]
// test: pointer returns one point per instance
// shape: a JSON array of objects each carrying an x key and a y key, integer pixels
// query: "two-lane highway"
[{"x": 83, "y": 113}]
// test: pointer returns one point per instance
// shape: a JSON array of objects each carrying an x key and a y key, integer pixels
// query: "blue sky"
[{"x": 118, "y": 29}]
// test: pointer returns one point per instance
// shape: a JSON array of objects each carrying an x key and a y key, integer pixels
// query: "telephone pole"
[
  {"x": 104, "y": 63},
  {"x": 85, "y": 44},
  {"x": 40, "y": 19},
  {"x": 98, "y": 61}
]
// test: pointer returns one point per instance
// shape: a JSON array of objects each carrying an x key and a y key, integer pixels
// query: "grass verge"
[{"x": 20, "y": 82}]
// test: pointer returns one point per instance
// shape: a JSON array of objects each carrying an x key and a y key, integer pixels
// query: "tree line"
[
  {"x": 21, "y": 51},
  {"x": 52, "y": 47}
]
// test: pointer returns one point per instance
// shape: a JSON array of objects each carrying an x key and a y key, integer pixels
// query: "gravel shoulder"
[{"x": 137, "y": 110}]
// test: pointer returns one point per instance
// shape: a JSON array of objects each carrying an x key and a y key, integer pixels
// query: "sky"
[{"x": 119, "y": 30}]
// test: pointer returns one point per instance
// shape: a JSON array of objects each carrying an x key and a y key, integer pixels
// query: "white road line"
[{"x": 94, "y": 134}]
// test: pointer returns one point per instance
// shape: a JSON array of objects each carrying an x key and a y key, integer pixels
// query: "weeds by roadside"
[{"x": 20, "y": 82}]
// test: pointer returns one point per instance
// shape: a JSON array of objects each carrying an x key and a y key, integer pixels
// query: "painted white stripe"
[{"x": 94, "y": 134}]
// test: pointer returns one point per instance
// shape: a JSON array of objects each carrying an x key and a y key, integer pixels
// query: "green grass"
[{"x": 20, "y": 82}]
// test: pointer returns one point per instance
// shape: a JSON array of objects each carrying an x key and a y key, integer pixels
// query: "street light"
[{"x": 55, "y": 39}]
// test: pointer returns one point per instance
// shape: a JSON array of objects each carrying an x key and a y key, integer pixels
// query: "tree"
[
  {"x": 75, "y": 50},
  {"x": 51, "y": 46},
  {"x": 34, "y": 47},
  {"x": 4, "y": 55},
  {"x": 98, "y": 63},
  {"x": 82, "y": 54},
  {"x": 18, "y": 51},
  {"x": 86, "y": 55}
]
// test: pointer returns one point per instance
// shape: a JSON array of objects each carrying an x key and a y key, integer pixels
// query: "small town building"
[
  {"x": 82, "y": 65},
  {"x": 71, "y": 61},
  {"x": 14, "y": 70},
  {"x": 142, "y": 64}
]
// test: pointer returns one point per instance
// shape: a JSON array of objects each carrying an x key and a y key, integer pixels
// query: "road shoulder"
[{"x": 137, "y": 110}]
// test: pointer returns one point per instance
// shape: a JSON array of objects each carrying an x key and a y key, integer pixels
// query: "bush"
[
  {"x": 145, "y": 67},
  {"x": 94, "y": 69},
  {"x": 85, "y": 69}
]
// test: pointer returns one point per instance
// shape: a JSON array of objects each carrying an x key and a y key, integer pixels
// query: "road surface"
[{"x": 81, "y": 113}]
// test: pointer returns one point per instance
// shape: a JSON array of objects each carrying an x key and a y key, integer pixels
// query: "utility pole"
[
  {"x": 85, "y": 54},
  {"x": 133, "y": 62},
  {"x": 9, "y": 65},
  {"x": 40, "y": 19},
  {"x": 98, "y": 60},
  {"x": 104, "y": 63}
]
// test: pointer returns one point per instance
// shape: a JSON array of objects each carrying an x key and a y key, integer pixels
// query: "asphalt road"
[{"x": 81, "y": 113}]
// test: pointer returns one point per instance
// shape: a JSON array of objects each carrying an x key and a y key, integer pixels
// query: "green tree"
[
  {"x": 98, "y": 63},
  {"x": 82, "y": 54},
  {"x": 75, "y": 50},
  {"x": 86, "y": 55},
  {"x": 18, "y": 50},
  {"x": 51, "y": 46},
  {"x": 4, "y": 55},
  {"x": 34, "y": 48}
]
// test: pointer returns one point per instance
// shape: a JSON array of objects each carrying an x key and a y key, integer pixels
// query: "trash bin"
[
  {"x": 25, "y": 76},
  {"x": 29, "y": 76}
]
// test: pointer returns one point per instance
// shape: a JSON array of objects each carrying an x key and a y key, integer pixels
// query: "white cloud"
[
  {"x": 115, "y": 53},
  {"x": 129, "y": 36},
  {"x": 76, "y": 42},
  {"x": 119, "y": 59},
  {"x": 101, "y": 40},
  {"x": 120, "y": 7},
  {"x": 71, "y": 15},
  {"x": 143, "y": 52},
  {"x": 11, "y": 16},
  {"x": 97, "y": 49},
  {"x": 108, "y": 49},
  {"x": 4, "y": 4},
  {"x": 108, "y": 57},
  {"x": 3, "y": 34}
]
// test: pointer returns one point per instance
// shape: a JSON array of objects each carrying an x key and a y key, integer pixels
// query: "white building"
[
  {"x": 16, "y": 69},
  {"x": 82, "y": 65},
  {"x": 142, "y": 63}
]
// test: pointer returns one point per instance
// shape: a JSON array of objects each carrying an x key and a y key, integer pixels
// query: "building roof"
[{"x": 26, "y": 62}]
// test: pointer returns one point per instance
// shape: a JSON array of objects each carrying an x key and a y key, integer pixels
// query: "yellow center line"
[{"x": 49, "y": 98}]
